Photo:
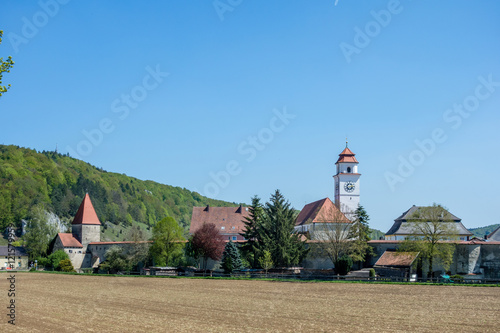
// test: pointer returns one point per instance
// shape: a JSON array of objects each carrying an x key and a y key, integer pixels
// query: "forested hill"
[
  {"x": 58, "y": 183},
  {"x": 481, "y": 232}
]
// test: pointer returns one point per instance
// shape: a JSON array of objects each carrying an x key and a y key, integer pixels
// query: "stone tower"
[{"x": 86, "y": 226}]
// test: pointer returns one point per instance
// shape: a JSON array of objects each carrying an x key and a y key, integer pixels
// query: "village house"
[
  {"x": 228, "y": 220},
  {"x": 17, "y": 256}
]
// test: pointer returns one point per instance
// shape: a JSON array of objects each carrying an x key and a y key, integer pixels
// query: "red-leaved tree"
[{"x": 207, "y": 242}]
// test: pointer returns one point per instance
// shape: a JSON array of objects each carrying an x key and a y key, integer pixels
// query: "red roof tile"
[
  {"x": 397, "y": 259},
  {"x": 347, "y": 156},
  {"x": 229, "y": 220},
  {"x": 321, "y": 211},
  {"x": 86, "y": 213},
  {"x": 68, "y": 240}
]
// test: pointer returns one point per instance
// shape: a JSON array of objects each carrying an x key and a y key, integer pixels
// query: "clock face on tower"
[{"x": 349, "y": 187}]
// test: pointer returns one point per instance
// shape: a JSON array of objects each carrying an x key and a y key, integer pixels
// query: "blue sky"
[{"x": 237, "y": 98}]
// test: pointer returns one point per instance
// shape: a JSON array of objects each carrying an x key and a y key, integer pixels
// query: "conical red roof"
[
  {"x": 86, "y": 213},
  {"x": 347, "y": 156}
]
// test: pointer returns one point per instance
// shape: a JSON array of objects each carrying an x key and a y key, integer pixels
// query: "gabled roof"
[
  {"x": 321, "y": 211},
  {"x": 494, "y": 235},
  {"x": 14, "y": 251},
  {"x": 347, "y": 156},
  {"x": 397, "y": 259},
  {"x": 228, "y": 220},
  {"x": 403, "y": 224},
  {"x": 68, "y": 240},
  {"x": 86, "y": 213}
]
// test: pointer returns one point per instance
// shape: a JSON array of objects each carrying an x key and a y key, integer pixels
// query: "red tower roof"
[
  {"x": 86, "y": 213},
  {"x": 347, "y": 156}
]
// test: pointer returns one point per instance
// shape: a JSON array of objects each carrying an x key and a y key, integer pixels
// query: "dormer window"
[{"x": 348, "y": 169}]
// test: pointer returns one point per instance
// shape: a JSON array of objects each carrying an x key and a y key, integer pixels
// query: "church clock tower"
[{"x": 347, "y": 183}]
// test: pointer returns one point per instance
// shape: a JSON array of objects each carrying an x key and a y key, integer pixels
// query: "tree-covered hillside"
[
  {"x": 58, "y": 183},
  {"x": 482, "y": 231}
]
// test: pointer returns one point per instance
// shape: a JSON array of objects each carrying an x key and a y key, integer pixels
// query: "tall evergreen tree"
[
  {"x": 278, "y": 233},
  {"x": 252, "y": 247},
  {"x": 231, "y": 259},
  {"x": 359, "y": 233}
]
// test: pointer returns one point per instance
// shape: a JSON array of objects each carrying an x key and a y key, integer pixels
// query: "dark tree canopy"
[
  {"x": 207, "y": 242},
  {"x": 252, "y": 247}
]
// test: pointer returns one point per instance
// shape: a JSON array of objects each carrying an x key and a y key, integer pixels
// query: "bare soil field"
[{"x": 72, "y": 303}]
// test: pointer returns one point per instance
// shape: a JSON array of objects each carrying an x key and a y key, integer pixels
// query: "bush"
[
  {"x": 343, "y": 265},
  {"x": 55, "y": 258},
  {"x": 457, "y": 278},
  {"x": 372, "y": 273},
  {"x": 66, "y": 266}
]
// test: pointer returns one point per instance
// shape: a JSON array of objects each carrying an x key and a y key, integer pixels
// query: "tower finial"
[{"x": 346, "y": 141}]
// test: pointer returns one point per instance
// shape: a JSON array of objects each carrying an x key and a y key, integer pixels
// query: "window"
[
  {"x": 79, "y": 251},
  {"x": 70, "y": 251},
  {"x": 348, "y": 169},
  {"x": 222, "y": 228},
  {"x": 234, "y": 237},
  {"x": 233, "y": 227}
]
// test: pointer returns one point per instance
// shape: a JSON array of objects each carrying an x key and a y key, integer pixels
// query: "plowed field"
[{"x": 72, "y": 303}]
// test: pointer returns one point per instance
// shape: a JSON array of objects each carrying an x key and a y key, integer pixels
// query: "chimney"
[
  {"x": 239, "y": 209},
  {"x": 207, "y": 208}
]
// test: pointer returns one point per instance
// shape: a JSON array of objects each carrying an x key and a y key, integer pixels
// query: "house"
[
  {"x": 403, "y": 226},
  {"x": 228, "y": 220},
  {"x": 11, "y": 256},
  {"x": 319, "y": 217},
  {"x": 396, "y": 264}
]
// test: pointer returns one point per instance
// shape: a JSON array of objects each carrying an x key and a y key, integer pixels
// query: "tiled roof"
[
  {"x": 18, "y": 251},
  {"x": 321, "y": 211},
  {"x": 116, "y": 243},
  {"x": 397, "y": 259},
  {"x": 228, "y": 220},
  {"x": 347, "y": 156},
  {"x": 68, "y": 240},
  {"x": 86, "y": 213}
]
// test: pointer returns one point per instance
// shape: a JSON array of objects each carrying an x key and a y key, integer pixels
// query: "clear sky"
[{"x": 234, "y": 98}]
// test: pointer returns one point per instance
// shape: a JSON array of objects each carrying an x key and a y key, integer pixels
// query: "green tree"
[
  {"x": 39, "y": 233},
  {"x": 279, "y": 236},
  {"x": 138, "y": 254},
  {"x": 432, "y": 229},
  {"x": 266, "y": 261},
  {"x": 115, "y": 260},
  {"x": 231, "y": 259},
  {"x": 55, "y": 258},
  {"x": 252, "y": 232},
  {"x": 359, "y": 235},
  {"x": 5, "y": 67},
  {"x": 168, "y": 241}
]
